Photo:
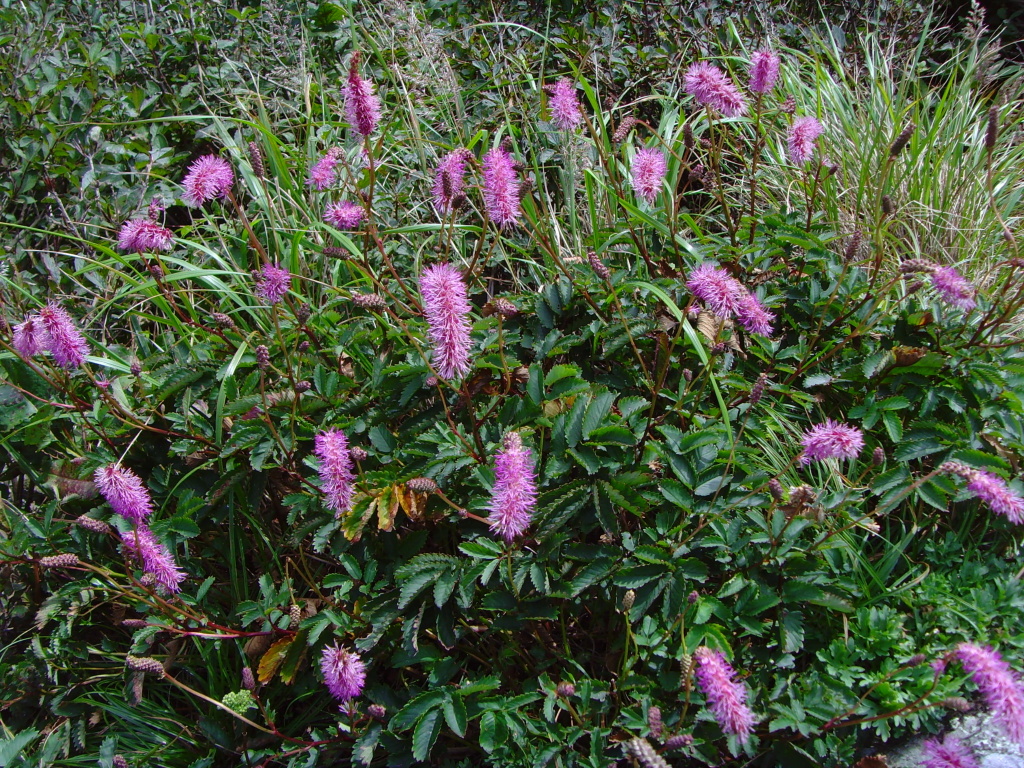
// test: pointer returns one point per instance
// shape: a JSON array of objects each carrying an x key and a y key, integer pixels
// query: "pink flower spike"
[
  {"x": 949, "y": 753},
  {"x": 446, "y": 307},
  {"x": 344, "y": 215},
  {"x": 1000, "y": 687},
  {"x": 764, "y": 71},
  {"x": 501, "y": 188},
  {"x": 727, "y": 698},
  {"x": 362, "y": 107},
  {"x": 648, "y": 172},
  {"x": 712, "y": 87},
  {"x": 273, "y": 283},
  {"x": 514, "y": 495},
  {"x": 336, "y": 476},
  {"x": 752, "y": 315},
  {"x": 997, "y": 495},
  {"x": 154, "y": 557},
  {"x": 953, "y": 288},
  {"x": 141, "y": 235},
  {"x": 125, "y": 492},
  {"x": 450, "y": 181},
  {"x": 324, "y": 172},
  {"x": 831, "y": 440},
  {"x": 802, "y": 135},
  {"x": 64, "y": 341},
  {"x": 344, "y": 672},
  {"x": 30, "y": 337},
  {"x": 208, "y": 177},
  {"x": 722, "y": 294},
  {"x": 564, "y": 106}
]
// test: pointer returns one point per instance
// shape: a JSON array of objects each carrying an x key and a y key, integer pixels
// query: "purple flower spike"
[
  {"x": 324, "y": 172},
  {"x": 1000, "y": 687},
  {"x": 721, "y": 293},
  {"x": 803, "y": 133},
  {"x": 446, "y": 307},
  {"x": 726, "y": 697},
  {"x": 362, "y": 107},
  {"x": 450, "y": 181},
  {"x": 208, "y": 177},
  {"x": 141, "y": 235},
  {"x": 64, "y": 341},
  {"x": 501, "y": 188},
  {"x": 344, "y": 672},
  {"x": 514, "y": 495},
  {"x": 831, "y": 440},
  {"x": 997, "y": 495},
  {"x": 712, "y": 87},
  {"x": 331, "y": 447},
  {"x": 752, "y": 315},
  {"x": 764, "y": 71},
  {"x": 125, "y": 492},
  {"x": 343, "y": 215},
  {"x": 949, "y": 753},
  {"x": 273, "y": 283},
  {"x": 154, "y": 556},
  {"x": 953, "y": 288},
  {"x": 30, "y": 337},
  {"x": 564, "y": 106},
  {"x": 648, "y": 172}
]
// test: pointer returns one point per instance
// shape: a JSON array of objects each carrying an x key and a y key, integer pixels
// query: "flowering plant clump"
[{"x": 512, "y": 430}]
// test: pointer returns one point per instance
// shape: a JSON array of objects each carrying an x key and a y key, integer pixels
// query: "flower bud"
[
  {"x": 376, "y": 711},
  {"x": 902, "y": 140},
  {"x": 357, "y": 453},
  {"x": 63, "y": 560},
  {"x": 144, "y": 664},
  {"x": 248, "y": 679},
  {"x": 421, "y": 485},
  {"x": 565, "y": 690}
]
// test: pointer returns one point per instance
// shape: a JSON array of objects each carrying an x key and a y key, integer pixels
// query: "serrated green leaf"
[
  {"x": 455, "y": 714},
  {"x": 415, "y": 709},
  {"x": 426, "y": 733}
]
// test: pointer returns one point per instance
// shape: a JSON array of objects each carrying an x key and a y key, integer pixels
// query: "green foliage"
[{"x": 673, "y": 510}]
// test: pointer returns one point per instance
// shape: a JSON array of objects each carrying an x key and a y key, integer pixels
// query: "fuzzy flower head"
[
  {"x": 336, "y": 476},
  {"x": 726, "y": 697},
  {"x": 30, "y": 337},
  {"x": 501, "y": 188},
  {"x": 155, "y": 558},
  {"x": 208, "y": 177},
  {"x": 514, "y": 495},
  {"x": 142, "y": 235},
  {"x": 125, "y": 493},
  {"x": 1000, "y": 687},
  {"x": 997, "y": 495},
  {"x": 64, "y": 341},
  {"x": 722, "y": 293},
  {"x": 344, "y": 672},
  {"x": 446, "y": 307},
  {"x": 831, "y": 440},
  {"x": 953, "y": 288},
  {"x": 764, "y": 71},
  {"x": 712, "y": 87},
  {"x": 450, "y": 181},
  {"x": 343, "y": 214},
  {"x": 803, "y": 134},
  {"x": 948, "y": 753},
  {"x": 324, "y": 172},
  {"x": 564, "y": 106},
  {"x": 273, "y": 283},
  {"x": 752, "y": 315},
  {"x": 648, "y": 173},
  {"x": 362, "y": 107}
]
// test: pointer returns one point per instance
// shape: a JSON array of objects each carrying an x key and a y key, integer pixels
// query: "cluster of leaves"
[{"x": 656, "y": 531}]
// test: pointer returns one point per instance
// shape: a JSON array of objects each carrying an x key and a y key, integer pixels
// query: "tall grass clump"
[{"x": 508, "y": 421}]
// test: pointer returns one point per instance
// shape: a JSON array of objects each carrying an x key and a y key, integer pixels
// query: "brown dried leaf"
[
  {"x": 272, "y": 660},
  {"x": 908, "y": 355}
]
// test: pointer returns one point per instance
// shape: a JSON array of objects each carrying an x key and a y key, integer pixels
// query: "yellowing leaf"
[{"x": 272, "y": 660}]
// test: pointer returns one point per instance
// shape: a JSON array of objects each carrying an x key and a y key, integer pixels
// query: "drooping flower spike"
[
  {"x": 948, "y": 753},
  {"x": 728, "y": 297},
  {"x": 446, "y": 307},
  {"x": 831, "y": 440},
  {"x": 125, "y": 492},
  {"x": 63, "y": 340},
  {"x": 143, "y": 235},
  {"x": 30, "y": 337},
  {"x": 953, "y": 288},
  {"x": 156, "y": 559},
  {"x": 324, "y": 172},
  {"x": 726, "y": 697},
  {"x": 344, "y": 214},
  {"x": 712, "y": 87},
  {"x": 803, "y": 134},
  {"x": 514, "y": 495},
  {"x": 336, "y": 476},
  {"x": 1001, "y": 688}
]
